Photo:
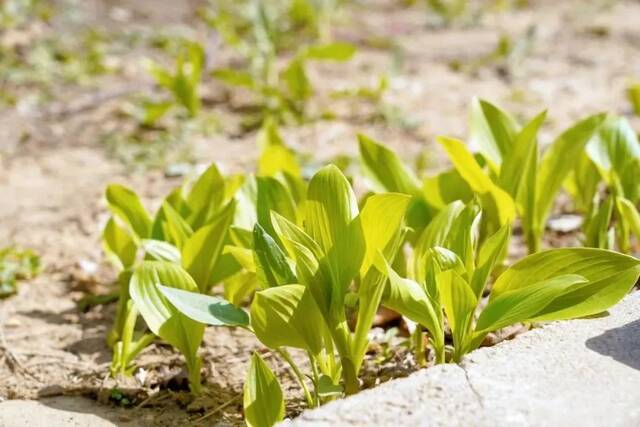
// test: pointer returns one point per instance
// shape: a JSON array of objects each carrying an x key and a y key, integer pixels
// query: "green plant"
[
  {"x": 450, "y": 271},
  {"x": 16, "y": 264},
  {"x": 509, "y": 175},
  {"x": 262, "y": 400},
  {"x": 283, "y": 93},
  {"x": 323, "y": 271},
  {"x": 182, "y": 83},
  {"x": 612, "y": 161},
  {"x": 188, "y": 230},
  {"x": 633, "y": 94}
]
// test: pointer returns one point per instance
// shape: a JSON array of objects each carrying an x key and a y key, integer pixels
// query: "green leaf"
[
  {"x": 523, "y": 304},
  {"x": 445, "y": 188},
  {"x": 614, "y": 147},
  {"x": 385, "y": 170},
  {"x": 263, "y": 402},
  {"x": 493, "y": 250},
  {"x": 331, "y": 219},
  {"x": 495, "y": 201},
  {"x": 160, "y": 251},
  {"x": 582, "y": 184},
  {"x": 161, "y": 316},
  {"x": 174, "y": 228},
  {"x": 597, "y": 228},
  {"x": 234, "y": 77},
  {"x": 119, "y": 246},
  {"x": 272, "y": 267},
  {"x": 206, "y": 309},
  {"x": 337, "y": 51},
  {"x": 240, "y": 286},
  {"x": 295, "y": 77},
  {"x": 630, "y": 214},
  {"x": 125, "y": 204},
  {"x": 610, "y": 276},
  {"x": 492, "y": 130},
  {"x": 201, "y": 252},
  {"x": 275, "y": 156},
  {"x": 273, "y": 196},
  {"x": 327, "y": 388},
  {"x": 558, "y": 161},
  {"x": 410, "y": 299},
  {"x": 288, "y": 316},
  {"x": 459, "y": 304},
  {"x": 524, "y": 146},
  {"x": 388, "y": 209},
  {"x": 205, "y": 197}
]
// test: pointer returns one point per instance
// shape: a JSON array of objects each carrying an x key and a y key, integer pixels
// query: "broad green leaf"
[
  {"x": 205, "y": 309},
  {"x": 523, "y": 304},
  {"x": 240, "y": 286},
  {"x": 409, "y": 299},
  {"x": 119, "y": 246},
  {"x": 492, "y": 251},
  {"x": 495, "y": 201},
  {"x": 288, "y": 316},
  {"x": 445, "y": 188},
  {"x": 234, "y": 77},
  {"x": 331, "y": 219},
  {"x": 435, "y": 234},
  {"x": 582, "y": 184},
  {"x": 524, "y": 146},
  {"x": 492, "y": 130},
  {"x": 337, "y": 51},
  {"x": 559, "y": 160},
  {"x": 289, "y": 232},
  {"x": 200, "y": 253},
  {"x": 262, "y": 396},
  {"x": 126, "y": 205},
  {"x": 205, "y": 197},
  {"x": 459, "y": 304},
  {"x": 597, "y": 227},
  {"x": 296, "y": 80},
  {"x": 246, "y": 198},
  {"x": 610, "y": 276},
  {"x": 613, "y": 147},
  {"x": 385, "y": 169},
  {"x": 160, "y": 251},
  {"x": 161, "y": 316},
  {"x": 179, "y": 205},
  {"x": 388, "y": 209},
  {"x": 174, "y": 228},
  {"x": 243, "y": 256},
  {"x": 273, "y": 196},
  {"x": 630, "y": 214},
  {"x": 327, "y": 388},
  {"x": 272, "y": 267},
  {"x": 275, "y": 156}
]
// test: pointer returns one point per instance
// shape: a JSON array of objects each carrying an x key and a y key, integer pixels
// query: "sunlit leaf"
[{"x": 262, "y": 396}]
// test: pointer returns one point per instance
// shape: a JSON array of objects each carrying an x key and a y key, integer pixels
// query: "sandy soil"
[{"x": 53, "y": 171}]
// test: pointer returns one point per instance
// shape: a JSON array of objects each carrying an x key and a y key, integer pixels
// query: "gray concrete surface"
[
  {"x": 577, "y": 373},
  {"x": 61, "y": 411}
]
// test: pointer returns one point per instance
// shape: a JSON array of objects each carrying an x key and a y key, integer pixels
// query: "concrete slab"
[
  {"x": 577, "y": 373},
  {"x": 62, "y": 411}
]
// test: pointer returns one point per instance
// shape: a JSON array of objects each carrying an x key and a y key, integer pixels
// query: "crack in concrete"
[{"x": 471, "y": 386}]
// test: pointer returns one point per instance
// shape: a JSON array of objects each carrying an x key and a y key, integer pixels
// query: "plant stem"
[
  {"x": 418, "y": 339},
  {"x": 298, "y": 374},
  {"x": 316, "y": 377}
]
